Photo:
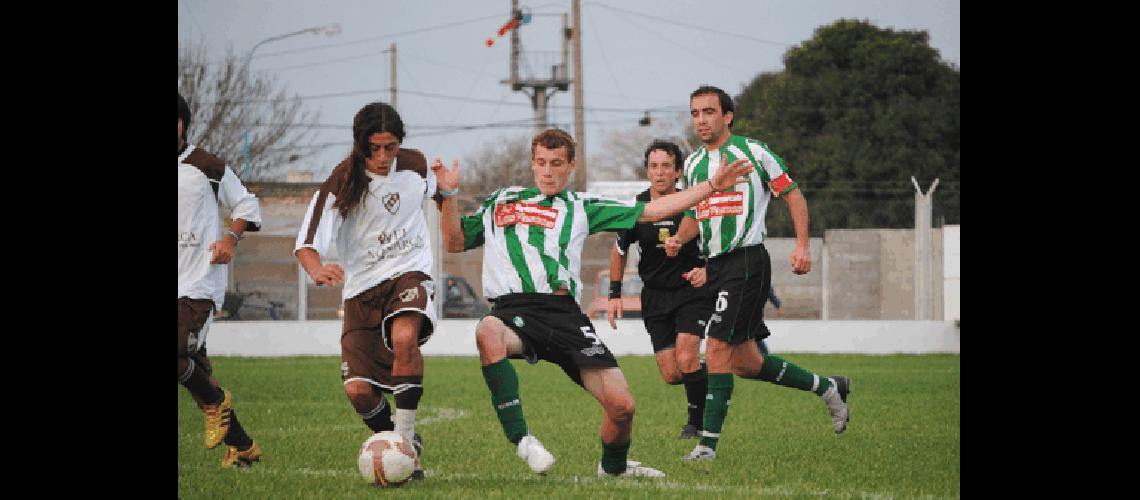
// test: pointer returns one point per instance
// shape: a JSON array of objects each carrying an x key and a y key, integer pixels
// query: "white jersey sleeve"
[
  {"x": 320, "y": 226},
  {"x": 233, "y": 196}
]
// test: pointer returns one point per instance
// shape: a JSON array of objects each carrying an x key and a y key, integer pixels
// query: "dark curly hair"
[{"x": 668, "y": 147}]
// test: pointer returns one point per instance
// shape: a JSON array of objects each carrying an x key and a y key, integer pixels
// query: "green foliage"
[
  {"x": 857, "y": 111},
  {"x": 903, "y": 440}
]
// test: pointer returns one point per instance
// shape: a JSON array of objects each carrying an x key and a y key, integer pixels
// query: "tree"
[
  {"x": 856, "y": 112},
  {"x": 499, "y": 163},
  {"x": 226, "y": 101},
  {"x": 623, "y": 151}
]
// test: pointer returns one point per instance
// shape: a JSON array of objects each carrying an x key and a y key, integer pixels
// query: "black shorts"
[
  {"x": 553, "y": 328},
  {"x": 669, "y": 311},
  {"x": 739, "y": 281}
]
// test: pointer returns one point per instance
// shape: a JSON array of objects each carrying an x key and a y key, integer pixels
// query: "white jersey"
[
  {"x": 534, "y": 242},
  {"x": 204, "y": 184},
  {"x": 734, "y": 217},
  {"x": 385, "y": 235}
]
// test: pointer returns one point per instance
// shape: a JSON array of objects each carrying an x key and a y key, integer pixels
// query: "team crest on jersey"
[
  {"x": 519, "y": 321},
  {"x": 409, "y": 294},
  {"x": 509, "y": 214},
  {"x": 721, "y": 204},
  {"x": 392, "y": 202},
  {"x": 662, "y": 234}
]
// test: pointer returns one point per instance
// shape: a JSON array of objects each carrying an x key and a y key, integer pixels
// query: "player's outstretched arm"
[
  {"x": 448, "y": 182},
  {"x": 668, "y": 206}
]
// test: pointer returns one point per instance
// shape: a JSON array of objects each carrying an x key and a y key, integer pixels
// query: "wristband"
[
  {"x": 448, "y": 194},
  {"x": 235, "y": 235},
  {"x": 615, "y": 289}
]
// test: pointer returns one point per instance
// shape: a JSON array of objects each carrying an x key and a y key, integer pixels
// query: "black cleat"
[
  {"x": 843, "y": 385},
  {"x": 418, "y": 444},
  {"x": 689, "y": 431}
]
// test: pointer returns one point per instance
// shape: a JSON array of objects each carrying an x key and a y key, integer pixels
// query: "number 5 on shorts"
[{"x": 589, "y": 334}]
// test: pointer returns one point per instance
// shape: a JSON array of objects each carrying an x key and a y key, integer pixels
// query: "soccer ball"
[{"x": 387, "y": 459}]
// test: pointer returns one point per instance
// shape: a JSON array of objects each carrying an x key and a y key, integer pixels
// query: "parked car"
[
  {"x": 460, "y": 299},
  {"x": 631, "y": 286}
]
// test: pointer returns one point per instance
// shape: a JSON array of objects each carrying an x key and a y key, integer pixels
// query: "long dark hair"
[{"x": 373, "y": 118}]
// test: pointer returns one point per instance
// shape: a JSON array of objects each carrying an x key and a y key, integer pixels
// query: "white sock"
[{"x": 405, "y": 421}]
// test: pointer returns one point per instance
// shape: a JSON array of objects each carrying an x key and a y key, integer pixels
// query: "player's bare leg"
[
  {"x": 408, "y": 376},
  {"x": 495, "y": 342},
  {"x": 609, "y": 387}
]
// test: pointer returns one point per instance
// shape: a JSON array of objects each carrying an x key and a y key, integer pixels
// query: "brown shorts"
[
  {"x": 365, "y": 345},
  {"x": 194, "y": 318}
]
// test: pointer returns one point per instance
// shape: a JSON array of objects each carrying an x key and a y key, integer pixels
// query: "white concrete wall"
[
  {"x": 952, "y": 272},
  {"x": 457, "y": 337}
]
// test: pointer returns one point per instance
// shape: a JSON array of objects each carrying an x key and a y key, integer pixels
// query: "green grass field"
[{"x": 903, "y": 439}]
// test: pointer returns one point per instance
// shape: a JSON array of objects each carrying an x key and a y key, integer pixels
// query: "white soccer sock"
[{"x": 405, "y": 421}]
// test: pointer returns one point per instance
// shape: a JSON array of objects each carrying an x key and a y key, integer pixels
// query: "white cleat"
[
  {"x": 633, "y": 468},
  {"x": 700, "y": 452},
  {"x": 836, "y": 399},
  {"x": 535, "y": 455}
]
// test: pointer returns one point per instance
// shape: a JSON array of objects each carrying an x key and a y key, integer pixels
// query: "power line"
[
  {"x": 377, "y": 38},
  {"x": 701, "y": 57},
  {"x": 680, "y": 107},
  {"x": 700, "y": 28}
]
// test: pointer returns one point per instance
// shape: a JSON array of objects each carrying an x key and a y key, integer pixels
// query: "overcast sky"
[{"x": 637, "y": 55}]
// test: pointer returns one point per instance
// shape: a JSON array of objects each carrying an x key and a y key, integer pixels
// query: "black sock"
[
  {"x": 408, "y": 398},
  {"x": 380, "y": 418},
  {"x": 236, "y": 435},
  {"x": 197, "y": 381},
  {"x": 696, "y": 386}
]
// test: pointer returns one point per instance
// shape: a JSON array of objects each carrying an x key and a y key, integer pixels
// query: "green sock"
[
  {"x": 779, "y": 371},
  {"x": 614, "y": 456},
  {"x": 716, "y": 407},
  {"x": 504, "y": 385}
]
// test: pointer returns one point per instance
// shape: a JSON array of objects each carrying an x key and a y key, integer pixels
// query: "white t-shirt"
[
  {"x": 204, "y": 184},
  {"x": 385, "y": 235}
]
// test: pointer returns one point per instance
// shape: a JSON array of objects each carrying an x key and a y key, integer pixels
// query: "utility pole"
[
  {"x": 923, "y": 256},
  {"x": 579, "y": 123},
  {"x": 393, "y": 74},
  {"x": 538, "y": 86}
]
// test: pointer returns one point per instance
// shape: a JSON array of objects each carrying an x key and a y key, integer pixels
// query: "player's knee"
[
  {"x": 489, "y": 336},
  {"x": 360, "y": 393},
  {"x": 405, "y": 342},
  {"x": 621, "y": 409},
  {"x": 687, "y": 362}
]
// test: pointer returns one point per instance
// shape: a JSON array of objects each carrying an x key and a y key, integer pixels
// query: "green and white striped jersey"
[
  {"x": 534, "y": 242},
  {"x": 734, "y": 218}
]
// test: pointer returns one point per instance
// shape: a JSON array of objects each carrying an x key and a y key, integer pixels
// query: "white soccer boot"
[
  {"x": 836, "y": 399},
  {"x": 700, "y": 452},
  {"x": 535, "y": 455},
  {"x": 633, "y": 468}
]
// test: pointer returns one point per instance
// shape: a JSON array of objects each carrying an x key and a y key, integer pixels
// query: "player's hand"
[
  {"x": 223, "y": 250},
  {"x": 446, "y": 180},
  {"x": 696, "y": 276},
  {"x": 726, "y": 177},
  {"x": 801, "y": 259},
  {"x": 329, "y": 274},
  {"x": 672, "y": 246},
  {"x": 779, "y": 311},
  {"x": 611, "y": 307}
]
